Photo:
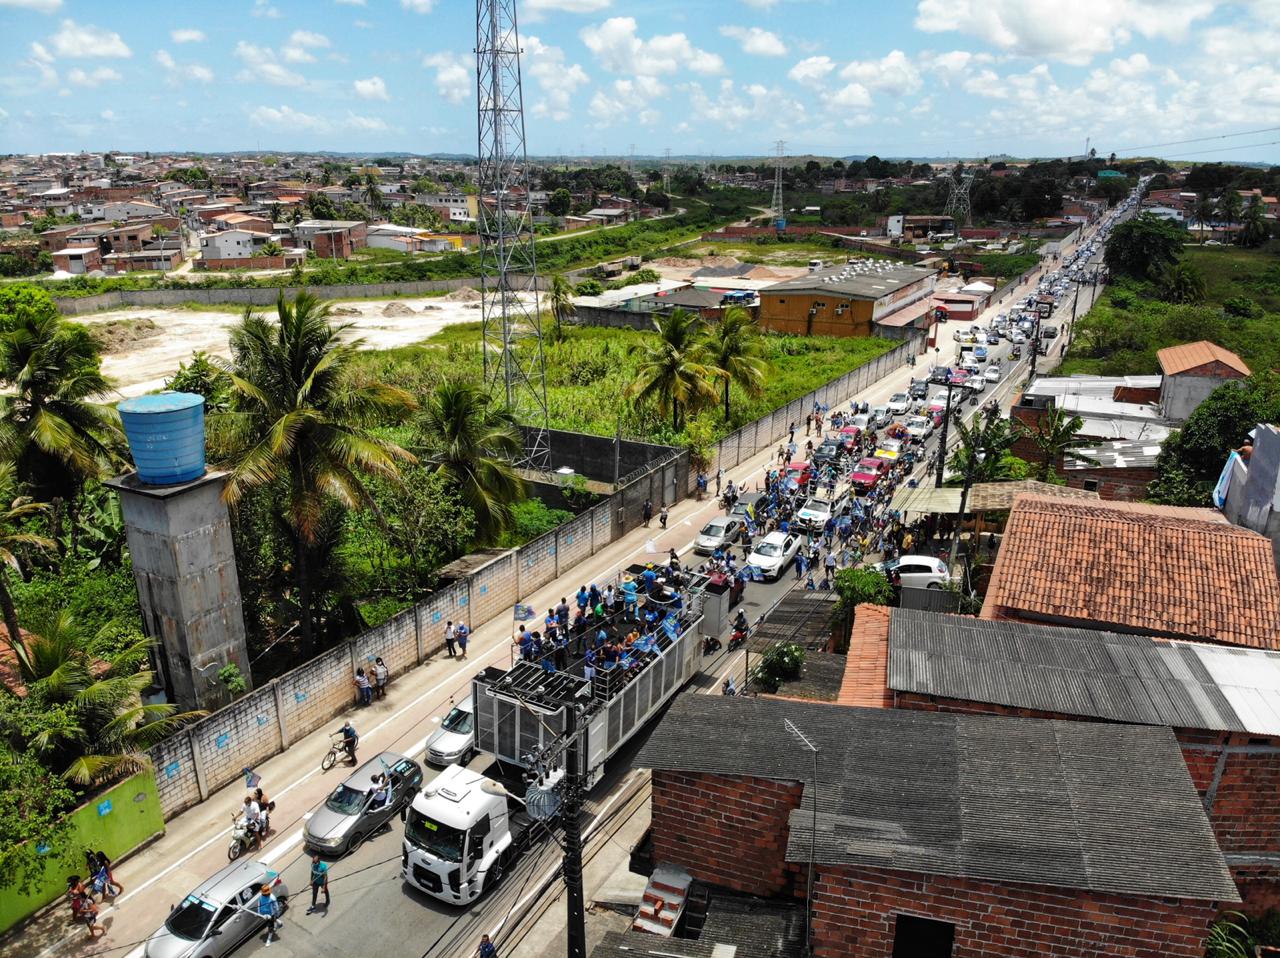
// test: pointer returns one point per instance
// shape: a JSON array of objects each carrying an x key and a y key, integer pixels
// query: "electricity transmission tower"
[
  {"x": 779, "y": 215},
  {"x": 510, "y": 320},
  {"x": 666, "y": 172},
  {"x": 958, "y": 200}
]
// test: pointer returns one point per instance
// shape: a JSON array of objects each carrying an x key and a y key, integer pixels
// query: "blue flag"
[
  {"x": 251, "y": 778},
  {"x": 523, "y": 613}
]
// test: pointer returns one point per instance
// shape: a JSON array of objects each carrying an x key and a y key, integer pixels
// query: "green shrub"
[{"x": 779, "y": 664}]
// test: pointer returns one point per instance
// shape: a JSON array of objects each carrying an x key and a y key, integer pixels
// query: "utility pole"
[
  {"x": 946, "y": 424},
  {"x": 571, "y": 817},
  {"x": 779, "y": 214},
  {"x": 510, "y": 320}
]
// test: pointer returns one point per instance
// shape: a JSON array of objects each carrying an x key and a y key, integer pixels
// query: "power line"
[
  {"x": 1198, "y": 139},
  {"x": 1223, "y": 149}
]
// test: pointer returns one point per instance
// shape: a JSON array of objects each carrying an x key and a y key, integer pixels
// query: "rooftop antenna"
[
  {"x": 779, "y": 215},
  {"x": 511, "y": 323}
]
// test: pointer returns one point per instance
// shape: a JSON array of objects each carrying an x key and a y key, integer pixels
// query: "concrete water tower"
[{"x": 179, "y": 535}]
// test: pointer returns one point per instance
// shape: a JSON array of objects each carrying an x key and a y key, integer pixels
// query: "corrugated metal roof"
[
  {"x": 1085, "y": 805},
  {"x": 1124, "y": 678}
]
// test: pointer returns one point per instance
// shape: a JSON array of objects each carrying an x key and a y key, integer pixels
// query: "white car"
[
  {"x": 918, "y": 572},
  {"x": 817, "y": 510},
  {"x": 1017, "y": 337},
  {"x": 861, "y": 421},
  {"x": 774, "y": 553},
  {"x": 992, "y": 374},
  {"x": 889, "y": 449},
  {"x": 899, "y": 404},
  {"x": 919, "y": 428},
  {"x": 976, "y": 383}
]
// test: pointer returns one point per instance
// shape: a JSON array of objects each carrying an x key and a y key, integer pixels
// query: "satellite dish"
[{"x": 542, "y": 804}]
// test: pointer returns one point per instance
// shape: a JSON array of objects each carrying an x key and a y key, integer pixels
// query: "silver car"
[
  {"x": 349, "y": 815},
  {"x": 720, "y": 533},
  {"x": 454, "y": 742},
  {"x": 219, "y": 915}
]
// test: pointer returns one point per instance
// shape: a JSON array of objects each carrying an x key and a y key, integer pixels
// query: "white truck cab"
[{"x": 461, "y": 833}]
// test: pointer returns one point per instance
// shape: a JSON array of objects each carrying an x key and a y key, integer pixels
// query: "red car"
[
  {"x": 867, "y": 473},
  {"x": 800, "y": 472},
  {"x": 848, "y": 437}
]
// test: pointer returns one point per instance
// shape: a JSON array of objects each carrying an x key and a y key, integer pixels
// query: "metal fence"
[{"x": 214, "y": 752}]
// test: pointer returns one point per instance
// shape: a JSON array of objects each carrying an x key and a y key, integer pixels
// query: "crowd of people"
[{"x": 101, "y": 881}]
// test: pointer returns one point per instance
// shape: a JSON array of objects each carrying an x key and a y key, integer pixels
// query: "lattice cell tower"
[
  {"x": 779, "y": 214},
  {"x": 958, "y": 200},
  {"x": 512, "y": 327}
]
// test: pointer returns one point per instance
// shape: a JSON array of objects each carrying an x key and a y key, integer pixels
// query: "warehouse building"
[
  {"x": 940, "y": 834},
  {"x": 850, "y": 299}
]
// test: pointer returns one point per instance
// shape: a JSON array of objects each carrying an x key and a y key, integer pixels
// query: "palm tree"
[
  {"x": 50, "y": 427},
  {"x": 11, "y": 537},
  {"x": 981, "y": 454},
  {"x": 1204, "y": 213},
  {"x": 300, "y": 420},
  {"x": 102, "y": 726},
  {"x": 1183, "y": 283},
  {"x": 561, "y": 297},
  {"x": 1253, "y": 225},
  {"x": 673, "y": 371},
  {"x": 735, "y": 352},
  {"x": 1056, "y": 435},
  {"x": 372, "y": 195},
  {"x": 475, "y": 443},
  {"x": 1230, "y": 206}
]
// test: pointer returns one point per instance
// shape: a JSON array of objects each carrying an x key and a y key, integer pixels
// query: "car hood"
[
  {"x": 757, "y": 559},
  {"x": 448, "y": 743},
  {"x": 864, "y": 476},
  {"x": 326, "y": 823},
  {"x": 162, "y": 944}
]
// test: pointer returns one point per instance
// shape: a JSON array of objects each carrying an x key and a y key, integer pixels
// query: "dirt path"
[{"x": 143, "y": 366}]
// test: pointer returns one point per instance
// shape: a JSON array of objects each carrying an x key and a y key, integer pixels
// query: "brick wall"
[
  {"x": 727, "y": 830},
  {"x": 1124, "y": 485},
  {"x": 855, "y": 911}
]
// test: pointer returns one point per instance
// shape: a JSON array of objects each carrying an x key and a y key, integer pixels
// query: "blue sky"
[{"x": 726, "y": 77}]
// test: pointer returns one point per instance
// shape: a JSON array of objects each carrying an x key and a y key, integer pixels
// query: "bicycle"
[{"x": 337, "y": 746}]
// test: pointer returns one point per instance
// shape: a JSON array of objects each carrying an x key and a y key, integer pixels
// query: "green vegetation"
[
  {"x": 1234, "y": 302},
  {"x": 855, "y": 586},
  {"x": 1004, "y": 266},
  {"x": 588, "y": 373},
  {"x": 779, "y": 663}
]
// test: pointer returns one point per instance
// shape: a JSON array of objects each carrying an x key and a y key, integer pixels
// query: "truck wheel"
[{"x": 496, "y": 873}]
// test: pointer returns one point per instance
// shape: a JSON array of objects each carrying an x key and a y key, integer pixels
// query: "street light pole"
[
  {"x": 813, "y": 834},
  {"x": 571, "y": 817}
]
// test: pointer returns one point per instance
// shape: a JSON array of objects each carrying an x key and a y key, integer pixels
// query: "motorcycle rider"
[{"x": 253, "y": 820}]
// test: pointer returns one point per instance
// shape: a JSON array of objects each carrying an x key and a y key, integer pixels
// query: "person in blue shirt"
[
  {"x": 589, "y": 665},
  {"x": 526, "y": 646},
  {"x": 265, "y": 905},
  {"x": 583, "y": 598},
  {"x": 629, "y": 597},
  {"x": 601, "y": 638},
  {"x": 650, "y": 577}
]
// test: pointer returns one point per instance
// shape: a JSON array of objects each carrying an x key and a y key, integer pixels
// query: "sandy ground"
[{"x": 144, "y": 365}]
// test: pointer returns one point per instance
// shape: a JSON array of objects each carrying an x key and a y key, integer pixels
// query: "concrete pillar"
[{"x": 185, "y": 569}]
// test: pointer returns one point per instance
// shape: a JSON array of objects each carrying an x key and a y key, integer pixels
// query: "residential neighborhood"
[{"x": 539, "y": 478}]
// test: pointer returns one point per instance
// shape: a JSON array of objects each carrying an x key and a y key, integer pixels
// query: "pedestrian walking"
[
  {"x": 450, "y": 637},
  {"x": 269, "y": 908},
  {"x": 792, "y": 437},
  {"x": 381, "y": 676},
  {"x": 719, "y": 476},
  {"x": 662, "y": 516},
  {"x": 463, "y": 633},
  {"x": 364, "y": 691},
  {"x": 319, "y": 882},
  {"x": 646, "y": 512},
  {"x": 486, "y": 949}
]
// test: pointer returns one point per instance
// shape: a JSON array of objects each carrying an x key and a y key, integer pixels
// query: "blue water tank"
[{"x": 166, "y": 436}]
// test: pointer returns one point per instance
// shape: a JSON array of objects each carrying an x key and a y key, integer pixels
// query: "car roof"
[
  {"x": 777, "y": 537},
  {"x": 717, "y": 521},
  {"x": 231, "y": 879},
  {"x": 362, "y": 777}
]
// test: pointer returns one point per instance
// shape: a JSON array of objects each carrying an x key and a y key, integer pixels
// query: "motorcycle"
[
  {"x": 739, "y": 636},
  {"x": 242, "y": 838}
]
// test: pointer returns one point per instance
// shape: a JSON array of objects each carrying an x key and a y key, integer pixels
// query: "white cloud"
[
  {"x": 756, "y": 41},
  {"x": 628, "y": 99},
  {"x": 42, "y": 60},
  {"x": 1131, "y": 66},
  {"x": 1043, "y": 28},
  {"x": 619, "y": 50},
  {"x": 754, "y": 106},
  {"x": 264, "y": 9},
  {"x": 177, "y": 72},
  {"x": 94, "y": 77},
  {"x": 418, "y": 6},
  {"x": 286, "y": 118},
  {"x": 893, "y": 73},
  {"x": 300, "y": 44},
  {"x": 557, "y": 81},
  {"x": 200, "y": 73},
  {"x": 260, "y": 65},
  {"x": 761, "y": 4},
  {"x": 187, "y": 36},
  {"x": 568, "y": 6},
  {"x": 371, "y": 89},
  {"x": 108, "y": 115},
  {"x": 362, "y": 24},
  {"x": 453, "y": 75},
  {"x": 851, "y": 97},
  {"x": 41, "y": 53},
  {"x": 40, "y": 6},
  {"x": 351, "y": 3},
  {"x": 166, "y": 60},
  {"x": 77, "y": 41},
  {"x": 811, "y": 71},
  {"x": 365, "y": 124}
]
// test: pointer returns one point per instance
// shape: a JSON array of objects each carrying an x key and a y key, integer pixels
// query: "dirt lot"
[{"x": 141, "y": 365}]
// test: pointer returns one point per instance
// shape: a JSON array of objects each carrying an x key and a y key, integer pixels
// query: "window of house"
[
  {"x": 1091, "y": 485},
  {"x": 915, "y": 937}
]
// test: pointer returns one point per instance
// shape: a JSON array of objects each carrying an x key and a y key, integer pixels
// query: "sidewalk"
[{"x": 194, "y": 845}]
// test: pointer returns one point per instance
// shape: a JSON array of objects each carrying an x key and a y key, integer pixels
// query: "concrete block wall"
[
  {"x": 396, "y": 641},
  {"x": 175, "y": 767},
  {"x": 494, "y": 590},
  {"x": 602, "y": 524},
  {"x": 238, "y": 736},
  {"x": 855, "y": 914},
  {"x": 536, "y": 563},
  {"x": 574, "y": 541},
  {"x": 437, "y": 611},
  {"x": 316, "y": 691}
]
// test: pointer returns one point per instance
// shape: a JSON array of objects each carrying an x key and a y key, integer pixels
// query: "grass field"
[
  {"x": 587, "y": 374},
  {"x": 1130, "y": 323}
]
